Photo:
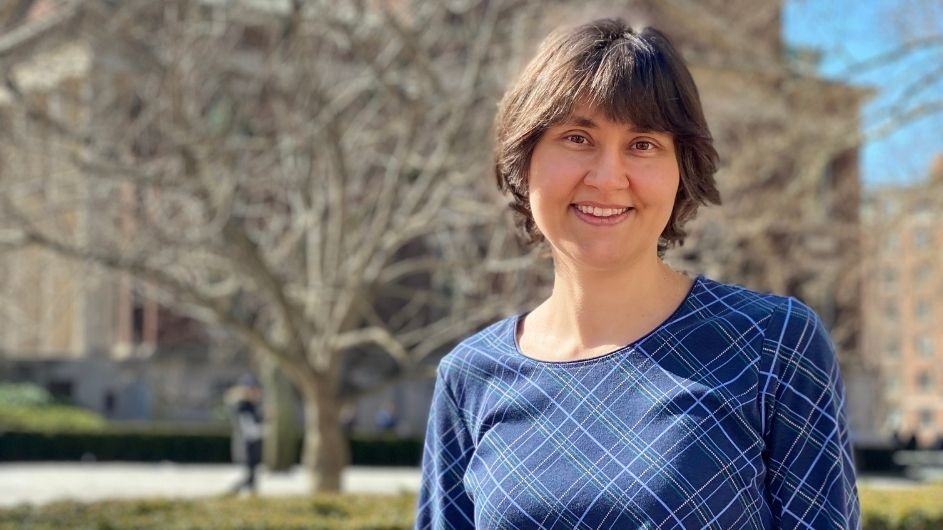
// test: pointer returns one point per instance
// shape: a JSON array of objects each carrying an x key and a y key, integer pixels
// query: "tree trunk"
[
  {"x": 326, "y": 452},
  {"x": 282, "y": 429}
]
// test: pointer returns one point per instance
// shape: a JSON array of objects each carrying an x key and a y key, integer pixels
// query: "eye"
[
  {"x": 643, "y": 145},
  {"x": 578, "y": 139}
]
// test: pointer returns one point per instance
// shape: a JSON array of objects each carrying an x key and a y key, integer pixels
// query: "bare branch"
[{"x": 27, "y": 34}]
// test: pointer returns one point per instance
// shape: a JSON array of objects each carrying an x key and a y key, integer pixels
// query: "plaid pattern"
[{"x": 729, "y": 415}]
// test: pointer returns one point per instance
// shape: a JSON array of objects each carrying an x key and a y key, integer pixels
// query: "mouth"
[
  {"x": 601, "y": 216},
  {"x": 601, "y": 211}
]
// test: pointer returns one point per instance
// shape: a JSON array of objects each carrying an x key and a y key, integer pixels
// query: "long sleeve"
[
  {"x": 443, "y": 501},
  {"x": 810, "y": 472}
]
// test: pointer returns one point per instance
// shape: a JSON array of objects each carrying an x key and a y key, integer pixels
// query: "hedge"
[
  {"x": 156, "y": 445},
  {"x": 173, "y": 443}
]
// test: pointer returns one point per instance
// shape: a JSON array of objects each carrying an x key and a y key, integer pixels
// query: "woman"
[{"x": 634, "y": 396}]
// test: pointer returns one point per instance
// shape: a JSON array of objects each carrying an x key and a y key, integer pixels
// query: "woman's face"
[{"x": 602, "y": 192}]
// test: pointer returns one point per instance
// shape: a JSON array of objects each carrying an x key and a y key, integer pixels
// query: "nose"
[{"x": 608, "y": 171}]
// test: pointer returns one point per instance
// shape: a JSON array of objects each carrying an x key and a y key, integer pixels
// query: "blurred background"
[{"x": 194, "y": 190}]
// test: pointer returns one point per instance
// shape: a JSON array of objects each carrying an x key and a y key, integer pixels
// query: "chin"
[{"x": 601, "y": 259}]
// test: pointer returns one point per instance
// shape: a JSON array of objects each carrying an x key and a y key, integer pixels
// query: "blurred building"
[
  {"x": 903, "y": 280},
  {"x": 89, "y": 335}
]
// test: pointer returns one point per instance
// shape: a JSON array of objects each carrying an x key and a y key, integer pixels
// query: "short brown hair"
[{"x": 633, "y": 77}]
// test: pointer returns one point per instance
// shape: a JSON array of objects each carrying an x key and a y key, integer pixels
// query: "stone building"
[
  {"x": 91, "y": 336},
  {"x": 901, "y": 238}
]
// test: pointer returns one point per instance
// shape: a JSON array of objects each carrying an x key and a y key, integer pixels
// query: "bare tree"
[{"x": 307, "y": 174}]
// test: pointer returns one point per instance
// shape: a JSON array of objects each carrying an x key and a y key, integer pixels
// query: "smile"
[
  {"x": 600, "y": 216},
  {"x": 600, "y": 212}
]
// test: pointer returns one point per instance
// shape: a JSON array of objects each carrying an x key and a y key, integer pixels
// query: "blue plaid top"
[{"x": 729, "y": 415}]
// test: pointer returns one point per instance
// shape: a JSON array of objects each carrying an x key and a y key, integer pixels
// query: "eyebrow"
[{"x": 583, "y": 121}]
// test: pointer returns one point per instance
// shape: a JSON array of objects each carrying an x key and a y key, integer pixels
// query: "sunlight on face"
[{"x": 602, "y": 192}]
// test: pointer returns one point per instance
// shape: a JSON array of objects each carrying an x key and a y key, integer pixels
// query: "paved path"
[{"x": 39, "y": 483}]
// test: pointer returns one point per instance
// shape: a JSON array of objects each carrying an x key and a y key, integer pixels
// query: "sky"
[{"x": 848, "y": 32}]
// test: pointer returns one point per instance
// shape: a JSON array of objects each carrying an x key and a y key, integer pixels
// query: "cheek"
[
  {"x": 554, "y": 176},
  {"x": 658, "y": 182},
  {"x": 542, "y": 179}
]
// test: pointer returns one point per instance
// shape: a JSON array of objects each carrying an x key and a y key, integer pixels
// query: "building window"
[
  {"x": 925, "y": 381},
  {"x": 893, "y": 348},
  {"x": 889, "y": 207},
  {"x": 891, "y": 242},
  {"x": 921, "y": 238},
  {"x": 890, "y": 311},
  {"x": 922, "y": 274},
  {"x": 926, "y": 418},
  {"x": 110, "y": 402},
  {"x": 925, "y": 346},
  {"x": 894, "y": 419},
  {"x": 61, "y": 389},
  {"x": 923, "y": 310},
  {"x": 890, "y": 277},
  {"x": 893, "y": 384}
]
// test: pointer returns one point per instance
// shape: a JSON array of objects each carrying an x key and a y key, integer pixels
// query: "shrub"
[
  {"x": 897, "y": 504},
  {"x": 29, "y": 407},
  {"x": 323, "y": 512},
  {"x": 24, "y": 395},
  {"x": 49, "y": 418}
]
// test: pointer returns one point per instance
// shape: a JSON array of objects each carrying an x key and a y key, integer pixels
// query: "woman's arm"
[
  {"x": 443, "y": 502},
  {"x": 810, "y": 476}
]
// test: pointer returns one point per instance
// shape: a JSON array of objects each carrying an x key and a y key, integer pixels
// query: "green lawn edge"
[{"x": 911, "y": 508}]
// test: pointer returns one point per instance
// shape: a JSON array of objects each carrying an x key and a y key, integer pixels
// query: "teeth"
[{"x": 600, "y": 212}]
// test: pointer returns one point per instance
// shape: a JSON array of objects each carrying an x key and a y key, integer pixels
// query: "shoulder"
[
  {"x": 779, "y": 320},
  {"x": 794, "y": 347},
  {"x": 737, "y": 304},
  {"x": 791, "y": 342},
  {"x": 796, "y": 335},
  {"x": 494, "y": 341},
  {"x": 479, "y": 354},
  {"x": 736, "y": 297}
]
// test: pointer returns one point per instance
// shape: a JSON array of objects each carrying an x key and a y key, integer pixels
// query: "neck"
[{"x": 590, "y": 312}]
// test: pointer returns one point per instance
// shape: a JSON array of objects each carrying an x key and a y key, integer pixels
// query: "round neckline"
[{"x": 515, "y": 321}]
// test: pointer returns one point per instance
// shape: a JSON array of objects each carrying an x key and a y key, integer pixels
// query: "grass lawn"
[
  {"x": 917, "y": 508},
  {"x": 325, "y": 512},
  {"x": 897, "y": 503}
]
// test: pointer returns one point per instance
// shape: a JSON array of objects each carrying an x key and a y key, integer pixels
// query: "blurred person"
[
  {"x": 634, "y": 396},
  {"x": 245, "y": 401},
  {"x": 386, "y": 418},
  {"x": 348, "y": 418}
]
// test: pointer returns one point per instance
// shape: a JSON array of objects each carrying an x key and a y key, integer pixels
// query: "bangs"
[{"x": 626, "y": 78}]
